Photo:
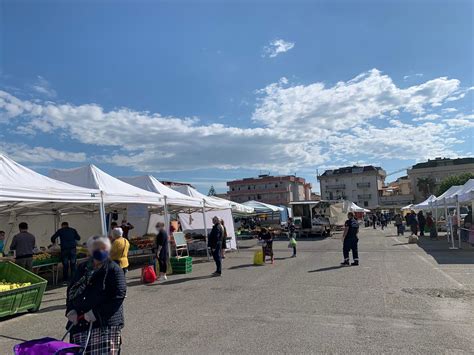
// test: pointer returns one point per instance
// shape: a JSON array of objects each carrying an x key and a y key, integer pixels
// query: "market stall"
[
  {"x": 26, "y": 196},
  {"x": 201, "y": 222}
]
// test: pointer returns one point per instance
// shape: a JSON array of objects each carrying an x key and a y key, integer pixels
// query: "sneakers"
[
  {"x": 345, "y": 263},
  {"x": 355, "y": 263},
  {"x": 163, "y": 278},
  {"x": 217, "y": 274}
]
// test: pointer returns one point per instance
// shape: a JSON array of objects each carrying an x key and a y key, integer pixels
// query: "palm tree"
[{"x": 426, "y": 186}]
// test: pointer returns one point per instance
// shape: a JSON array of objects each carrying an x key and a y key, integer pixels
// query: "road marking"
[{"x": 425, "y": 260}]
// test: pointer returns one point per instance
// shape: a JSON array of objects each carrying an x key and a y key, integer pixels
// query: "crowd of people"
[{"x": 97, "y": 288}]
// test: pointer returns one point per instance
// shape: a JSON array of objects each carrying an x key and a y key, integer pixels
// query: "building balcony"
[
  {"x": 363, "y": 184},
  {"x": 396, "y": 200},
  {"x": 336, "y": 187},
  {"x": 364, "y": 197},
  {"x": 258, "y": 191}
]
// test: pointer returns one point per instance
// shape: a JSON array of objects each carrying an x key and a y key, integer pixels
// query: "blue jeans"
[
  {"x": 68, "y": 258},
  {"x": 216, "y": 254}
]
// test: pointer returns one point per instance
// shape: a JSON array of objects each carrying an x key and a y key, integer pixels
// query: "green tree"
[
  {"x": 426, "y": 186},
  {"x": 212, "y": 191},
  {"x": 453, "y": 181}
]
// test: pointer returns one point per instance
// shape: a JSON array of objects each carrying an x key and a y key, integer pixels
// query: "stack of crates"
[{"x": 182, "y": 265}]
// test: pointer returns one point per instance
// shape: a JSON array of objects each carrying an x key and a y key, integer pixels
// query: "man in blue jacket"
[
  {"x": 68, "y": 238},
  {"x": 215, "y": 243},
  {"x": 350, "y": 240}
]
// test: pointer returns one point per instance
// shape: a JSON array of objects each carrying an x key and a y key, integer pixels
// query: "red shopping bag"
[{"x": 148, "y": 274}]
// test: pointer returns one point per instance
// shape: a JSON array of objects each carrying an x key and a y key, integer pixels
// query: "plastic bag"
[{"x": 258, "y": 258}]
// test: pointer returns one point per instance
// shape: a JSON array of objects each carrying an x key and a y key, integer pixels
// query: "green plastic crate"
[
  {"x": 185, "y": 260},
  {"x": 182, "y": 269},
  {"x": 22, "y": 299}
]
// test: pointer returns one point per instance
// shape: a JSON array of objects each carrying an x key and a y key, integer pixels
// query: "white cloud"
[
  {"x": 449, "y": 110},
  {"x": 43, "y": 87},
  {"x": 294, "y": 127},
  {"x": 26, "y": 154},
  {"x": 347, "y": 104},
  {"x": 430, "y": 117},
  {"x": 277, "y": 47},
  {"x": 417, "y": 75}
]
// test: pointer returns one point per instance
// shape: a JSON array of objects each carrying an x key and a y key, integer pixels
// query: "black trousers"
[
  {"x": 68, "y": 258},
  {"x": 217, "y": 255},
  {"x": 162, "y": 264},
  {"x": 350, "y": 244}
]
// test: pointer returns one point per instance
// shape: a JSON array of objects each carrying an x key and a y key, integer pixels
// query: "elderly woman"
[
  {"x": 96, "y": 296},
  {"x": 120, "y": 247}
]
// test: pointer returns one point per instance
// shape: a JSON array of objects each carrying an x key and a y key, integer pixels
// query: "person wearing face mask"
[{"x": 96, "y": 296}]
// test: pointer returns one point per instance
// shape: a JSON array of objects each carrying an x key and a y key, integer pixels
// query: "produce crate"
[
  {"x": 22, "y": 299},
  {"x": 184, "y": 260},
  {"x": 182, "y": 269},
  {"x": 52, "y": 260}
]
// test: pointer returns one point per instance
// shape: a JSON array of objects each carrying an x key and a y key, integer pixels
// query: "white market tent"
[
  {"x": 172, "y": 197},
  {"x": 354, "y": 208},
  {"x": 444, "y": 198},
  {"x": 464, "y": 194},
  {"x": 237, "y": 208},
  {"x": 113, "y": 191},
  {"x": 27, "y": 196},
  {"x": 210, "y": 202},
  {"x": 407, "y": 208},
  {"x": 220, "y": 208},
  {"x": 426, "y": 204},
  {"x": 261, "y": 207}
]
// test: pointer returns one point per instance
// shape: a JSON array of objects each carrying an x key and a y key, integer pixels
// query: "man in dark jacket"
[
  {"x": 68, "y": 238},
  {"x": 421, "y": 223},
  {"x": 24, "y": 245},
  {"x": 350, "y": 240},
  {"x": 215, "y": 243}
]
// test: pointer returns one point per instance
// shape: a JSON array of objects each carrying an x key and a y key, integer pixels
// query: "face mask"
[{"x": 100, "y": 255}]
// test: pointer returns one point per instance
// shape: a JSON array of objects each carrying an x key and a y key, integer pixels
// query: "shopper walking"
[
  {"x": 267, "y": 247},
  {"x": 374, "y": 221},
  {"x": 162, "y": 252},
  {"x": 24, "y": 246},
  {"x": 421, "y": 223},
  {"x": 68, "y": 238},
  {"x": 382, "y": 221},
  {"x": 120, "y": 248},
  {"x": 292, "y": 236},
  {"x": 413, "y": 223},
  {"x": 2, "y": 242},
  {"x": 431, "y": 225},
  {"x": 215, "y": 243},
  {"x": 350, "y": 240},
  {"x": 96, "y": 296},
  {"x": 399, "y": 224}
]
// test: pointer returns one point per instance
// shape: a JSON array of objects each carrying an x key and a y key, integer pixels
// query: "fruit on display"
[
  {"x": 142, "y": 243},
  {"x": 8, "y": 286},
  {"x": 41, "y": 256}
]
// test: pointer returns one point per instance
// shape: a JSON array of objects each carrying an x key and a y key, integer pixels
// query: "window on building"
[
  {"x": 366, "y": 203},
  {"x": 259, "y": 197},
  {"x": 276, "y": 185},
  {"x": 248, "y": 187}
]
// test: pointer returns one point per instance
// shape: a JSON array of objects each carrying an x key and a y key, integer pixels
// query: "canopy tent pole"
[
  {"x": 102, "y": 214},
  {"x": 446, "y": 221},
  {"x": 450, "y": 224},
  {"x": 167, "y": 225},
  {"x": 458, "y": 220},
  {"x": 205, "y": 227}
]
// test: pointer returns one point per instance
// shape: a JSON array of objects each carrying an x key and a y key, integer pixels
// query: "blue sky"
[{"x": 206, "y": 91}]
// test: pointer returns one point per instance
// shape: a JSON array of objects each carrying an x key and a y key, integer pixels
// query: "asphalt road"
[{"x": 416, "y": 299}]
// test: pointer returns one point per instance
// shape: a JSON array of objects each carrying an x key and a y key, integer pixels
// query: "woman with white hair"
[
  {"x": 96, "y": 296},
  {"x": 120, "y": 247}
]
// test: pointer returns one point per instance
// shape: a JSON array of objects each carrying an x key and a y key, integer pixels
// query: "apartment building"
[
  {"x": 359, "y": 184},
  {"x": 275, "y": 190},
  {"x": 397, "y": 194},
  {"x": 436, "y": 170}
]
